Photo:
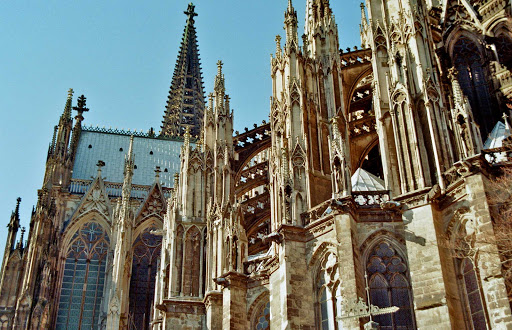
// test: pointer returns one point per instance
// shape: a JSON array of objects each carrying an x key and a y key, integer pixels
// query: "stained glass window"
[
  {"x": 146, "y": 251},
  {"x": 472, "y": 294},
  {"x": 83, "y": 279},
  {"x": 389, "y": 287},
  {"x": 263, "y": 319}
]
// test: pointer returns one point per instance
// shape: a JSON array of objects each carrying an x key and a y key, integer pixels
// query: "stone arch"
[
  {"x": 365, "y": 152},
  {"x": 153, "y": 219},
  {"x": 82, "y": 273},
  {"x": 178, "y": 260},
  {"x": 383, "y": 235},
  {"x": 388, "y": 278},
  {"x": 319, "y": 252},
  {"x": 146, "y": 250},
  {"x": 254, "y": 311},
  {"x": 73, "y": 226},
  {"x": 192, "y": 262},
  {"x": 358, "y": 79}
]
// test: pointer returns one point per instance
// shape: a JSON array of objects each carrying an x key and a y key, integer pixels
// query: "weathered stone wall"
[
  {"x": 291, "y": 291},
  {"x": 427, "y": 280}
]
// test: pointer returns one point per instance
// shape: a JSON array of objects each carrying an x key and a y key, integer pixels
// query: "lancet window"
[
  {"x": 83, "y": 279},
  {"x": 146, "y": 252},
  {"x": 328, "y": 295},
  {"x": 389, "y": 286},
  {"x": 471, "y": 292}
]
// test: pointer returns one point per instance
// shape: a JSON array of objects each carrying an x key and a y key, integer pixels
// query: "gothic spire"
[{"x": 186, "y": 101}]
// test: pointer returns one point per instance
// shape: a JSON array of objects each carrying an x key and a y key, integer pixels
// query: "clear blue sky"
[{"x": 121, "y": 55}]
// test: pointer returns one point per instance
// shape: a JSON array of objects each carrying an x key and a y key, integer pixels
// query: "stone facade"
[{"x": 269, "y": 228}]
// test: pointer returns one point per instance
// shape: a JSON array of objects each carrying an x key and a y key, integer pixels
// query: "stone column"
[
  {"x": 234, "y": 309},
  {"x": 425, "y": 268},
  {"x": 291, "y": 288},
  {"x": 344, "y": 224},
  {"x": 213, "y": 305}
]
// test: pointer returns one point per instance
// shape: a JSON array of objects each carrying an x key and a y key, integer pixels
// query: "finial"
[
  {"x": 157, "y": 174},
  {"x": 176, "y": 180},
  {"x": 17, "y": 209},
  {"x": 505, "y": 119},
  {"x": 81, "y": 108},
  {"x": 100, "y": 164},
  {"x": 70, "y": 93},
  {"x": 219, "y": 67},
  {"x": 186, "y": 141},
  {"x": 210, "y": 98},
  {"x": 130, "y": 149},
  {"x": 22, "y": 234},
  {"x": 278, "y": 45},
  {"x": 190, "y": 12},
  {"x": 290, "y": 6}
]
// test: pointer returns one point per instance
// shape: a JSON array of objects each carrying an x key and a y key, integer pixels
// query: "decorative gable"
[{"x": 154, "y": 204}]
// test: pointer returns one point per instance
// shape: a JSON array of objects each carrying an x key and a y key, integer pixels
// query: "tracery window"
[
  {"x": 472, "y": 79},
  {"x": 389, "y": 286},
  {"x": 471, "y": 290},
  {"x": 83, "y": 279},
  {"x": 328, "y": 298},
  {"x": 146, "y": 252},
  {"x": 263, "y": 318}
]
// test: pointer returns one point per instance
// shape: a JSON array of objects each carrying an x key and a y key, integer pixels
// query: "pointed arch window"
[
  {"x": 146, "y": 252},
  {"x": 471, "y": 294},
  {"x": 263, "y": 318},
  {"x": 328, "y": 295},
  {"x": 83, "y": 279},
  {"x": 389, "y": 286},
  {"x": 468, "y": 61}
]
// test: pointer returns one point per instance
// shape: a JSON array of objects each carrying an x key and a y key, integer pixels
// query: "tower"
[{"x": 185, "y": 104}]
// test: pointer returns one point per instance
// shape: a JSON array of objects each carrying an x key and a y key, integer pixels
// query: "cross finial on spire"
[
  {"x": 190, "y": 11},
  {"x": 81, "y": 108}
]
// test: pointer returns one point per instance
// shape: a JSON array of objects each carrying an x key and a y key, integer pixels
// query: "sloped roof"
[
  {"x": 497, "y": 135},
  {"x": 365, "y": 181},
  {"x": 112, "y": 148}
]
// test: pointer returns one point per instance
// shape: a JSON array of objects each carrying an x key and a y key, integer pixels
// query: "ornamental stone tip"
[
  {"x": 219, "y": 67},
  {"x": 70, "y": 93}
]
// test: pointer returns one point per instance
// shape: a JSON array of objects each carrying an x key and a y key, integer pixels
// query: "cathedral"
[{"x": 364, "y": 201}]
